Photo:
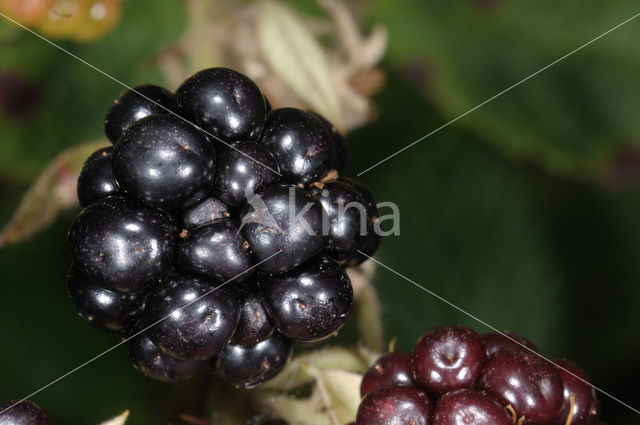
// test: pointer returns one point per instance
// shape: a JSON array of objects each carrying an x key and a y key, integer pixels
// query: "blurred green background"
[{"x": 526, "y": 213}]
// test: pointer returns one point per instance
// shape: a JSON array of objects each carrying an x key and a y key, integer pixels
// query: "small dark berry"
[
  {"x": 470, "y": 407},
  {"x": 301, "y": 144},
  {"x": 197, "y": 318},
  {"x": 448, "y": 359},
  {"x": 245, "y": 170},
  {"x": 248, "y": 367},
  {"x": 152, "y": 362},
  {"x": 23, "y": 413},
  {"x": 493, "y": 341},
  {"x": 366, "y": 243},
  {"x": 107, "y": 310},
  {"x": 586, "y": 406},
  {"x": 205, "y": 212},
  {"x": 96, "y": 180},
  {"x": 284, "y": 219},
  {"x": 255, "y": 324},
  {"x": 217, "y": 251},
  {"x": 134, "y": 105},
  {"x": 533, "y": 387},
  {"x": 165, "y": 162},
  {"x": 346, "y": 216},
  {"x": 390, "y": 370},
  {"x": 223, "y": 102},
  {"x": 122, "y": 246},
  {"x": 395, "y": 406},
  {"x": 310, "y": 302},
  {"x": 339, "y": 144}
]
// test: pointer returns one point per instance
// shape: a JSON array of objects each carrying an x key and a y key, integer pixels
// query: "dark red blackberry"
[
  {"x": 390, "y": 370},
  {"x": 470, "y": 407},
  {"x": 580, "y": 398},
  {"x": 527, "y": 382},
  {"x": 395, "y": 406},
  {"x": 448, "y": 359},
  {"x": 493, "y": 341}
]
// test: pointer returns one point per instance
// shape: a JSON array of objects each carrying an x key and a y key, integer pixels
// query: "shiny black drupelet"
[
  {"x": 310, "y": 303},
  {"x": 133, "y": 105},
  {"x": 122, "y": 245},
  {"x": 16, "y": 412},
  {"x": 96, "y": 180},
  {"x": 193, "y": 318}
]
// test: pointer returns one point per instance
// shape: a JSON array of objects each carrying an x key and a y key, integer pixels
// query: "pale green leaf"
[
  {"x": 53, "y": 192},
  {"x": 340, "y": 392}
]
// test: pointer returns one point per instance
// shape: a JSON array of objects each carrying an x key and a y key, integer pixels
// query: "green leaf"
[
  {"x": 569, "y": 119},
  {"x": 471, "y": 231},
  {"x": 53, "y": 192}
]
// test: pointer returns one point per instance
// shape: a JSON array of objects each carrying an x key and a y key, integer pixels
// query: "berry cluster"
[
  {"x": 217, "y": 224},
  {"x": 457, "y": 377},
  {"x": 16, "y": 412}
]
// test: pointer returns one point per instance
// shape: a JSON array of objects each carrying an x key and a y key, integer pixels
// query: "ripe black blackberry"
[
  {"x": 490, "y": 379},
  {"x": 213, "y": 231},
  {"x": 16, "y": 412}
]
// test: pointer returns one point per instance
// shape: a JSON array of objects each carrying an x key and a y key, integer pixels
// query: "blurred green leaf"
[
  {"x": 570, "y": 119},
  {"x": 53, "y": 192},
  {"x": 470, "y": 231}
]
